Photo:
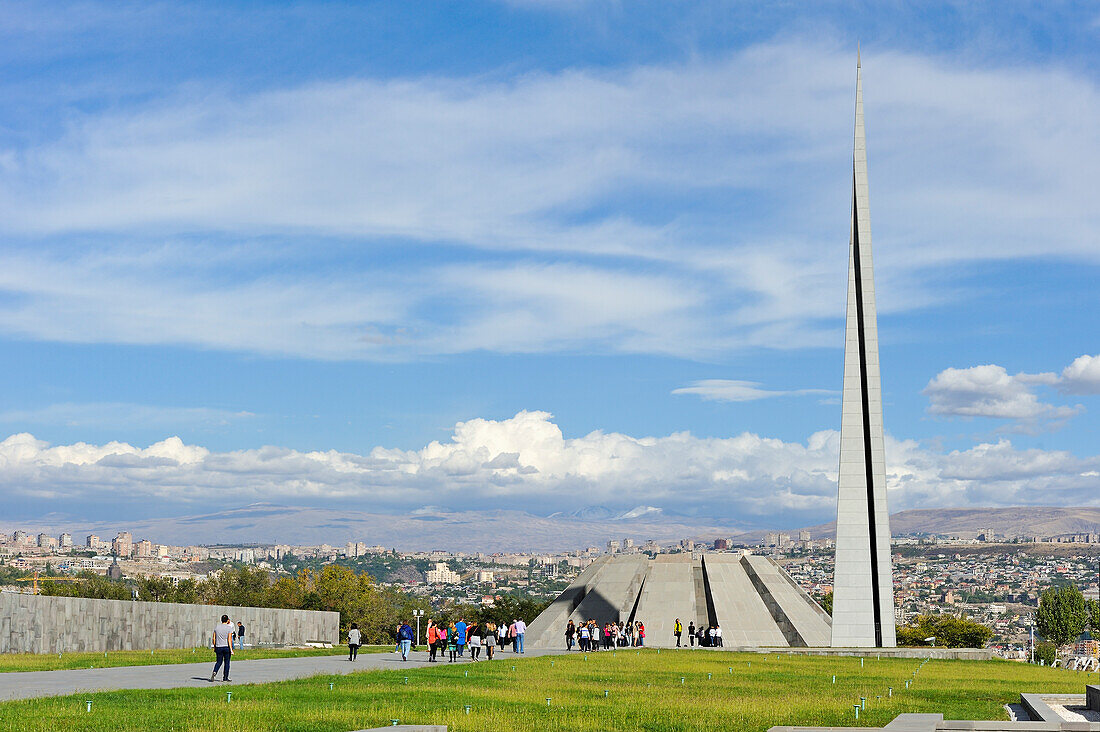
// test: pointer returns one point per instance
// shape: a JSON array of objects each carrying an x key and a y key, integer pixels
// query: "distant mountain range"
[
  {"x": 496, "y": 531},
  {"x": 427, "y": 528},
  {"x": 967, "y": 523}
]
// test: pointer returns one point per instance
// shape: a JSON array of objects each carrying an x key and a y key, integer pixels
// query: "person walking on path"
[
  {"x": 433, "y": 641},
  {"x": 521, "y": 629},
  {"x": 355, "y": 638},
  {"x": 583, "y": 635},
  {"x": 512, "y": 636},
  {"x": 460, "y": 635},
  {"x": 473, "y": 640},
  {"x": 240, "y": 636},
  {"x": 452, "y": 646},
  {"x": 222, "y": 640},
  {"x": 718, "y": 635},
  {"x": 490, "y": 640},
  {"x": 691, "y": 633},
  {"x": 405, "y": 639},
  {"x": 678, "y": 631},
  {"x": 570, "y": 631}
]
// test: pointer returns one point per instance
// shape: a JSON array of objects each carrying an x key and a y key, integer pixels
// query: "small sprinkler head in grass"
[
  {"x": 551, "y": 664},
  {"x": 834, "y": 678},
  {"x": 406, "y": 679},
  {"x": 861, "y": 663},
  {"x": 890, "y": 691},
  {"x": 606, "y": 693},
  {"x": 878, "y": 696},
  {"x": 731, "y": 670},
  {"x": 907, "y": 683},
  {"x": 229, "y": 696},
  {"x": 465, "y": 674},
  {"x": 708, "y": 677},
  {"x": 87, "y": 705},
  {"x": 863, "y": 702},
  {"x": 681, "y": 681},
  {"x": 467, "y": 708},
  {"x": 395, "y": 722},
  {"x": 547, "y": 701},
  {"x": 856, "y": 707},
  {"x": 513, "y": 668},
  {"x": 59, "y": 655}
]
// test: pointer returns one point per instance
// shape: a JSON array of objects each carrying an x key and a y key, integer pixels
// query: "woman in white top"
[
  {"x": 474, "y": 641},
  {"x": 355, "y": 638}
]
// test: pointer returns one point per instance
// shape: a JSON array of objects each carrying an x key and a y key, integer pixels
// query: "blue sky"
[{"x": 275, "y": 252}]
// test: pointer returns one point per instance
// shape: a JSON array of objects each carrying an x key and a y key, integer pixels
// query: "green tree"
[
  {"x": 1046, "y": 652},
  {"x": 948, "y": 630},
  {"x": 1062, "y": 615},
  {"x": 239, "y": 586},
  {"x": 827, "y": 603},
  {"x": 1094, "y": 616}
]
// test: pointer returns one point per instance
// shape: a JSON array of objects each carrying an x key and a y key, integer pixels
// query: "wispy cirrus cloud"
[
  {"x": 731, "y": 390},
  {"x": 571, "y": 182}
]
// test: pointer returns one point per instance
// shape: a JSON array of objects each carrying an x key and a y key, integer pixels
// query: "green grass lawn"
[
  {"x": 55, "y": 662},
  {"x": 644, "y": 692}
]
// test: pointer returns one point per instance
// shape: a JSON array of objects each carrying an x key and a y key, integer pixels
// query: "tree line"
[{"x": 357, "y": 597}]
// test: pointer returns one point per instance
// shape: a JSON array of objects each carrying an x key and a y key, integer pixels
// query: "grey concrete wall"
[
  {"x": 744, "y": 617},
  {"x": 669, "y": 593},
  {"x": 786, "y": 599},
  {"x": 42, "y": 624}
]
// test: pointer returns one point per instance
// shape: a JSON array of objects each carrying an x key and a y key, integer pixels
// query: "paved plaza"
[{"x": 31, "y": 684}]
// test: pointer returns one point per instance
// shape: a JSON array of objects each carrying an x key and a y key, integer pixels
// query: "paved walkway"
[{"x": 30, "y": 684}]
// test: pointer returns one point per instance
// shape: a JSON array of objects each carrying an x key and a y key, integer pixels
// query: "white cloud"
[
  {"x": 532, "y": 172},
  {"x": 731, "y": 390},
  {"x": 115, "y": 414},
  {"x": 526, "y": 462},
  {"x": 990, "y": 391},
  {"x": 1082, "y": 376}
]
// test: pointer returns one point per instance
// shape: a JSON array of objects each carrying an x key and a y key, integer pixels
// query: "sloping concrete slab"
[
  {"x": 742, "y": 614},
  {"x": 809, "y": 621},
  {"x": 669, "y": 593}
]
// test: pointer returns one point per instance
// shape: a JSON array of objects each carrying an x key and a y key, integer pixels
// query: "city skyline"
[{"x": 500, "y": 255}]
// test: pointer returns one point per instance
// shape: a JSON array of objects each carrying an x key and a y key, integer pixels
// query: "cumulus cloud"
[
  {"x": 1082, "y": 376},
  {"x": 526, "y": 462},
  {"x": 990, "y": 391},
  {"x": 731, "y": 390}
]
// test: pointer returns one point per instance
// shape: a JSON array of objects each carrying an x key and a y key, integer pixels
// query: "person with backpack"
[
  {"x": 678, "y": 631},
  {"x": 691, "y": 632},
  {"x": 404, "y": 640},
  {"x": 452, "y": 644},
  {"x": 570, "y": 631},
  {"x": 355, "y": 639}
]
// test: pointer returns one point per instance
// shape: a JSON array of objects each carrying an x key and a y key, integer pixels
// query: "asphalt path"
[{"x": 32, "y": 684}]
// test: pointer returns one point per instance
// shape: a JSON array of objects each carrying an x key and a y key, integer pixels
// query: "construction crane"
[{"x": 34, "y": 588}]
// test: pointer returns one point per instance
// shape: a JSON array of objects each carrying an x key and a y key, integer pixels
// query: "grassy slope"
[
  {"x": 50, "y": 662},
  {"x": 644, "y": 688}
]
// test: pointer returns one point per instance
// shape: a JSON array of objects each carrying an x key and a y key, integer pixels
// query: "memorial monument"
[{"x": 863, "y": 587}]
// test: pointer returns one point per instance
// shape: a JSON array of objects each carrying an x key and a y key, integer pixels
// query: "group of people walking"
[
  {"x": 711, "y": 636},
  {"x": 591, "y": 636},
  {"x": 453, "y": 639}
]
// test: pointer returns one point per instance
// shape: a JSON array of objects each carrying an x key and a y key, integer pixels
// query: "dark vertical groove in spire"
[{"x": 872, "y": 529}]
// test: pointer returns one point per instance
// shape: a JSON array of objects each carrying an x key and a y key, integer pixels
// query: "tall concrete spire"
[{"x": 863, "y": 589}]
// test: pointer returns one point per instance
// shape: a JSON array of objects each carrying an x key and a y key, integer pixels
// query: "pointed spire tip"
[{"x": 858, "y": 60}]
